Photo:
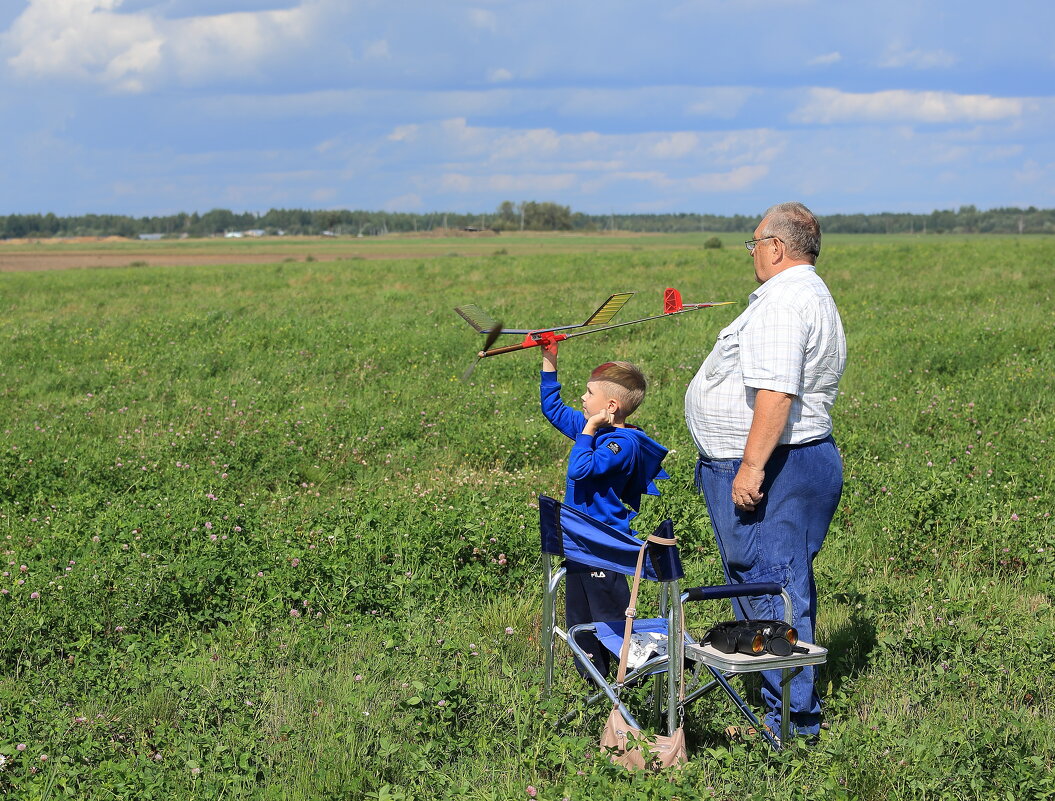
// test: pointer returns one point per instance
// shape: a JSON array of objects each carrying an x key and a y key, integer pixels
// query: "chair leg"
[
  {"x": 745, "y": 710},
  {"x": 785, "y": 700},
  {"x": 785, "y": 705},
  {"x": 549, "y": 616},
  {"x": 675, "y": 660}
]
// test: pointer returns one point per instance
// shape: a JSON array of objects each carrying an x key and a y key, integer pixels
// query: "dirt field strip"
[{"x": 109, "y": 252}]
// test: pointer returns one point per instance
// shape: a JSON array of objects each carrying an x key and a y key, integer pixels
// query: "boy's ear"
[{"x": 613, "y": 405}]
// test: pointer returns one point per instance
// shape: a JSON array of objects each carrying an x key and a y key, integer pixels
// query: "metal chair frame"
[{"x": 667, "y": 572}]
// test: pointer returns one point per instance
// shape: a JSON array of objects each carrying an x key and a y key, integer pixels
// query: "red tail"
[{"x": 672, "y": 301}]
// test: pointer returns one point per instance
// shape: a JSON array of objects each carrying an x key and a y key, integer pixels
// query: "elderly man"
[{"x": 759, "y": 413}]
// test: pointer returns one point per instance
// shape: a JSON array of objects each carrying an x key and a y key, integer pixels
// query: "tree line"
[{"x": 509, "y": 216}]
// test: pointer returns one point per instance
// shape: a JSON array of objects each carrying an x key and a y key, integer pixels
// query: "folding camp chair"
[
  {"x": 569, "y": 533},
  {"x": 575, "y": 535}
]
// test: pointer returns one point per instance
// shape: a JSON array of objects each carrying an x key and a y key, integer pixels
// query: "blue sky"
[{"x": 719, "y": 106}]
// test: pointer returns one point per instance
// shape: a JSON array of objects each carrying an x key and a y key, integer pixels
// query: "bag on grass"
[
  {"x": 625, "y": 744},
  {"x": 627, "y": 747}
]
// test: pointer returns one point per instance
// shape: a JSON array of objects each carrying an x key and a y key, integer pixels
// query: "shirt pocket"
[{"x": 725, "y": 356}]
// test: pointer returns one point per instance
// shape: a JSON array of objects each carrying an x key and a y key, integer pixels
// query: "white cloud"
[
  {"x": 499, "y": 75},
  {"x": 738, "y": 179},
  {"x": 1000, "y": 153},
  {"x": 81, "y": 39},
  {"x": 377, "y": 50},
  {"x": 1035, "y": 174},
  {"x": 899, "y": 105},
  {"x": 404, "y": 133},
  {"x": 825, "y": 60},
  {"x": 720, "y": 102},
  {"x": 484, "y": 19},
  {"x": 462, "y": 183},
  {"x": 407, "y": 202},
  {"x": 91, "y": 40},
  {"x": 735, "y": 180},
  {"x": 676, "y": 145},
  {"x": 203, "y": 47},
  {"x": 897, "y": 57}
]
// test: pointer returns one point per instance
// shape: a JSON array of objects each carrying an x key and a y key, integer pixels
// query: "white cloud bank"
[
  {"x": 91, "y": 40},
  {"x": 825, "y": 106}
]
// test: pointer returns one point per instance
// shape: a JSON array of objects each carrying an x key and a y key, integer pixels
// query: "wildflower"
[
  {"x": 294, "y": 613},
  {"x": 531, "y": 791},
  {"x": 509, "y": 630},
  {"x": 3, "y": 761},
  {"x": 1014, "y": 517},
  {"x": 43, "y": 757},
  {"x": 20, "y": 747},
  {"x": 295, "y": 561},
  {"x": 34, "y": 595}
]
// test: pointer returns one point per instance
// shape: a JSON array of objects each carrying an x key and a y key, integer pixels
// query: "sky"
[{"x": 152, "y": 107}]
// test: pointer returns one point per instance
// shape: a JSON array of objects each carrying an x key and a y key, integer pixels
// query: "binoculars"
[{"x": 755, "y": 637}]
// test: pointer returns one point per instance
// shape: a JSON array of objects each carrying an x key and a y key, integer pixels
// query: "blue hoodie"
[{"x": 607, "y": 471}]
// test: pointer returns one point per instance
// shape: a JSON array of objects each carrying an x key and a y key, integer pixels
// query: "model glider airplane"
[
  {"x": 533, "y": 337},
  {"x": 600, "y": 320}
]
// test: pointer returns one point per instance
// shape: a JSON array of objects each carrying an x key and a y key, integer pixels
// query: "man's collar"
[{"x": 783, "y": 275}]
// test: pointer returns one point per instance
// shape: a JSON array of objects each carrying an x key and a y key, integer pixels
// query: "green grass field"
[{"x": 261, "y": 542}]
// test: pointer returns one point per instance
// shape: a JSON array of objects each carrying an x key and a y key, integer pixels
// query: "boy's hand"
[
  {"x": 549, "y": 357},
  {"x": 600, "y": 420}
]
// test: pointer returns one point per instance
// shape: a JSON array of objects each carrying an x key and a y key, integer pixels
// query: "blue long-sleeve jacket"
[{"x": 609, "y": 471}]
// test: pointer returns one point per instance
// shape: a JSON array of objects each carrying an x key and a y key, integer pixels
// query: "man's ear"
[{"x": 779, "y": 248}]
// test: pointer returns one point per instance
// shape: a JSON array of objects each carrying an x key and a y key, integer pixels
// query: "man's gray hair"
[{"x": 797, "y": 227}]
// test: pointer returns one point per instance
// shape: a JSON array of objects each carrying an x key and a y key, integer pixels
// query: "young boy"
[{"x": 611, "y": 465}]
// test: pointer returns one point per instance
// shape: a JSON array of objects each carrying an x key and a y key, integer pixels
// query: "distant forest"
[{"x": 527, "y": 216}]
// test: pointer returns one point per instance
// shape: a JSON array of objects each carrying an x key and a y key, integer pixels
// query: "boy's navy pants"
[{"x": 591, "y": 596}]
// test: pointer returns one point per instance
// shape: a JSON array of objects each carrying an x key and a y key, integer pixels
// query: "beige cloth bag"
[{"x": 623, "y": 742}]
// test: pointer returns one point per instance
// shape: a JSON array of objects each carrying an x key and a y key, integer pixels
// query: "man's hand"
[
  {"x": 747, "y": 487},
  {"x": 600, "y": 420}
]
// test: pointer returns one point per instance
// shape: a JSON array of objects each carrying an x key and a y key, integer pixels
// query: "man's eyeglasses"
[{"x": 750, "y": 243}]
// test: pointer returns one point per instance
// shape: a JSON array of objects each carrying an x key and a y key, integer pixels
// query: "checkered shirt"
[{"x": 788, "y": 339}]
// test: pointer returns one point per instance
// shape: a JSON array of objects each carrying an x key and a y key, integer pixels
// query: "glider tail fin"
[{"x": 672, "y": 301}]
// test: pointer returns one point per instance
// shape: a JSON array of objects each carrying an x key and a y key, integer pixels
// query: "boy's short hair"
[{"x": 627, "y": 382}]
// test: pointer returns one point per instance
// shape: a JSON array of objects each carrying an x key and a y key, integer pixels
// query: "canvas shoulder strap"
[{"x": 631, "y": 610}]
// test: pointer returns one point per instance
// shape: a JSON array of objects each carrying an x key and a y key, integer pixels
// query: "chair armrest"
[{"x": 731, "y": 591}]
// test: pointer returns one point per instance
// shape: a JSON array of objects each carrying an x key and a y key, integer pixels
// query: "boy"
[{"x": 611, "y": 465}]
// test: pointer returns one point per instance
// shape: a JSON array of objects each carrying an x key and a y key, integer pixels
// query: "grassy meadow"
[{"x": 261, "y": 542}]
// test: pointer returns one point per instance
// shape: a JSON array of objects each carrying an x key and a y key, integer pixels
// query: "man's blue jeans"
[{"x": 778, "y": 542}]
